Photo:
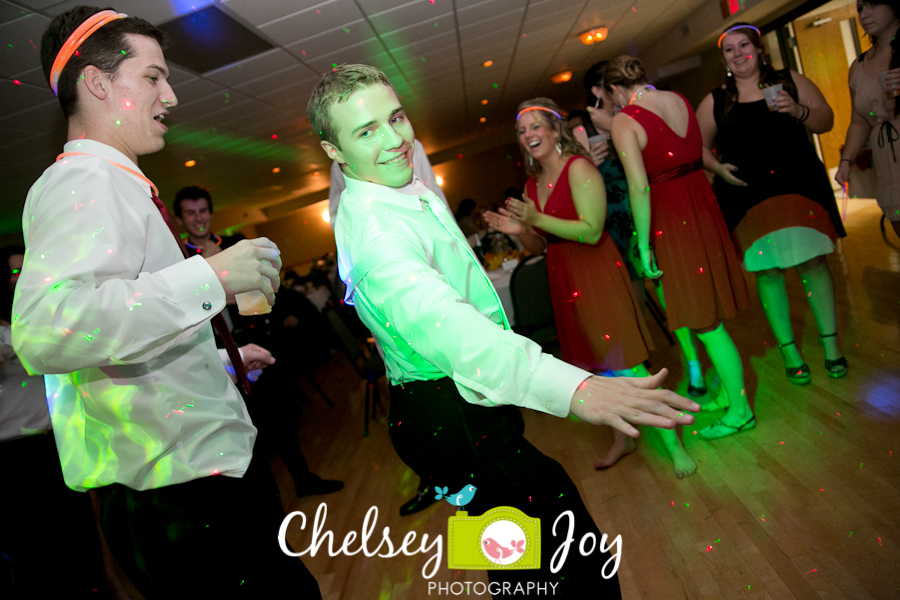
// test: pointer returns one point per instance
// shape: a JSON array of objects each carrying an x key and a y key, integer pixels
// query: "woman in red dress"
[
  {"x": 658, "y": 138},
  {"x": 598, "y": 318}
]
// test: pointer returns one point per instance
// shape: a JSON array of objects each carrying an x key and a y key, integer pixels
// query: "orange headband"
[
  {"x": 525, "y": 110},
  {"x": 727, "y": 31},
  {"x": 83, "y": 32}
]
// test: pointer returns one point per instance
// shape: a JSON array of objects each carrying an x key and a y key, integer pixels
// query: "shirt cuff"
[
  {"x": 196, "y": 289},
  {"x": 554, "y": 383}
]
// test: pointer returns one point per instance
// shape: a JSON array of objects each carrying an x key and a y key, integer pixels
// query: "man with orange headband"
[
  {"x": 458, "y": 372},
  {"x": 108, "y": 309}
]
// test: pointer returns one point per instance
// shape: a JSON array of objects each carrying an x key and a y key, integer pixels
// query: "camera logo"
[{"x": 501, "y": 538}]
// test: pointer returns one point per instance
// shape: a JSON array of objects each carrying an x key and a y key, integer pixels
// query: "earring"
[
  {"x": 762, "y": 58},
  {"x": 559, "y": 148},
  {"x": 530, "y": 161},
  {"x": 597, "y": 103},
  {"x": 728, "y": 72}
]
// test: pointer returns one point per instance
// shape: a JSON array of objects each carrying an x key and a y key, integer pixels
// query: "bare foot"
[
  {"x": 684, "y": 464},
  {"x": 622, "y": 445}
]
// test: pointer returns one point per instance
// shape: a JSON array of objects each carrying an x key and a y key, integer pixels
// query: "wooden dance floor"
[{"x": 805, "y": 506}]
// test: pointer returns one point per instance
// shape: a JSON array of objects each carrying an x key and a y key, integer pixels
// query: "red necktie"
[{"x": 218, "y": 322}]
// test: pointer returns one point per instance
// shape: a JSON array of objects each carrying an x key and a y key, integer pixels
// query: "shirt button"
[{"x": 207, "y": 305}]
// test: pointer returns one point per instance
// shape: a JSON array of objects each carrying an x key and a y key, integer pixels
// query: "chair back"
[{"x": 530, "y": 289}]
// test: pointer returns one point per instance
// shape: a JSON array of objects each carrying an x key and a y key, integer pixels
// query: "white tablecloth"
[{"x": 500, "y": 279}]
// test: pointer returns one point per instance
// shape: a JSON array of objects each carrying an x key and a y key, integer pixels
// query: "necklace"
[{"x": 639, "y": 93}]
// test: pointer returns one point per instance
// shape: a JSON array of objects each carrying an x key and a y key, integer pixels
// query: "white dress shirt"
[
  {"x": 108, "y": 309},
  {"x": 428, "y": 302},
  {"x": 421, "y": 169}
]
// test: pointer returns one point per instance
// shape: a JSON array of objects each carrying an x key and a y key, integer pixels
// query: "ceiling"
[{"x": 227, "y": 120}]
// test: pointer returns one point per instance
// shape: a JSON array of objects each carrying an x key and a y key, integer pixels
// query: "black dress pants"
[
  {"x": 452, "y": 443},
  {"x": 215, "y": 537},
  {"x": 46, "y": 529}
]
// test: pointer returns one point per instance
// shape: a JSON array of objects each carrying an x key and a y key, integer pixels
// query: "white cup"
[
  {"x": 893, "y": 92},
  {"x": 596, "y": 139},
  {"x": 770, "y": 93}
]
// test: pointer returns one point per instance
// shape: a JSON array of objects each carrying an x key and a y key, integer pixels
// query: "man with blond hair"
[{"x": 457, "y": 371}]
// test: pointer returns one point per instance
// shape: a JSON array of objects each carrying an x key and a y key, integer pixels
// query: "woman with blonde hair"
[
  {"x": 682, "y": 237},
  {"x": 598, "y": 318}
]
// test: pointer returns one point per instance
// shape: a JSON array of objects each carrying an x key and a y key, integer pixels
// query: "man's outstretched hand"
[{"x": 623, "y": 402}]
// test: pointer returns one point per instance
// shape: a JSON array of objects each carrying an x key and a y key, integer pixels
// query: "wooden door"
[{"x": 825, "y": 63}]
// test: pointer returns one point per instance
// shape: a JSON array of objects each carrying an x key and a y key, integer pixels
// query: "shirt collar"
[
  {"x": 406, "y": 197},
  {"x": 102, "y": 150}
]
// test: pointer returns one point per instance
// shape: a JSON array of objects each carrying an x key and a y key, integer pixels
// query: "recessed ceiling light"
[
  {"x": 562, "y": 77},
  {"x": 484, "y": 101},
  {"x": 276, "y": 170},
  {"x": 326, "y": 216},
  {"x": 488, "y": 63},
  {"x": 190, "y": 163},
  {"x": 594, "y": 36},
  {"x": 482, "y": 119},
  {"x": 439, "y": 180}
]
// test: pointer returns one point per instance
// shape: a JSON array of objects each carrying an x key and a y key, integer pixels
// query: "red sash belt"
[{"x": 679, "y": 171}]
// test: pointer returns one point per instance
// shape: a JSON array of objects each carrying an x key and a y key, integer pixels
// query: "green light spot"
[
  {"x": 24, "y": 383},
  {"x": 851, "y": 533},
  {"x": 560, "y": 495},
  {"x": 496, "y": 86},
  {"x": 345, "y": 30},
  {"x": 123, "y": 52},
  {"x": 687, "y": 504},
  {"x": 118, "y": 122}
]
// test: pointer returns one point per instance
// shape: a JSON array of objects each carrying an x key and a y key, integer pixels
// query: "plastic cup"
[
  {"x": 893, "y": 92},
  {"x": 254, "y": 302},
  {"x": 770, "y": 93},
  {"x": 596, "y": 139}
]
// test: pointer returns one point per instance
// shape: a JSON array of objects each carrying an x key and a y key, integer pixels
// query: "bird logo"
[
  {"x": 494, "y": 550},
  {"x": 460, "y": 499}
]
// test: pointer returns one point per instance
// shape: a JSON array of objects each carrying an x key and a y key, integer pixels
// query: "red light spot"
[
  {"x": 782, "y": 443},
  {"x": 670, "y": 154},
  {"x": 224, "y": 273},
  {"x": 606, "y": 336},
  {"x": 274, "y": 136},
  {"x": 576, "y": 294},
  {"x": 821, "y": 489},
  {"x": 618, "y": 264},
  {"x": 659, "y": 232},
  {"x": 708, "y": 548},
  {"x": 17, "y": 82},
  {"x": 673, "y": 504},
  {"x": 701, "y": 269},
  {"x": 838, "y": 414},
  {"x": 77, "y": 53},
  {"x": 128, "y": 103},
  {"x": 459, "y": 156}
]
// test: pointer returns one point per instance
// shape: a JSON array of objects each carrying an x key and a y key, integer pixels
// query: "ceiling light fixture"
[
  {"x": 562, "y": 77},
  {"x": 276, "y": 170},
  {"x": 488, "y": 63},
  {"x": 190, "y": 163},
  {"x": 326, "y": 216},
  {"x": 439, "y": 180},
  {"x": 482, "y": 119},
  {"x": 594, "y": 36},
  {"x": 484, "y": 102}
]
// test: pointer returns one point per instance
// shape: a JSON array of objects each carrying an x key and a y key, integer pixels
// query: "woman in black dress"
[{"x": 774, "y": 191}]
